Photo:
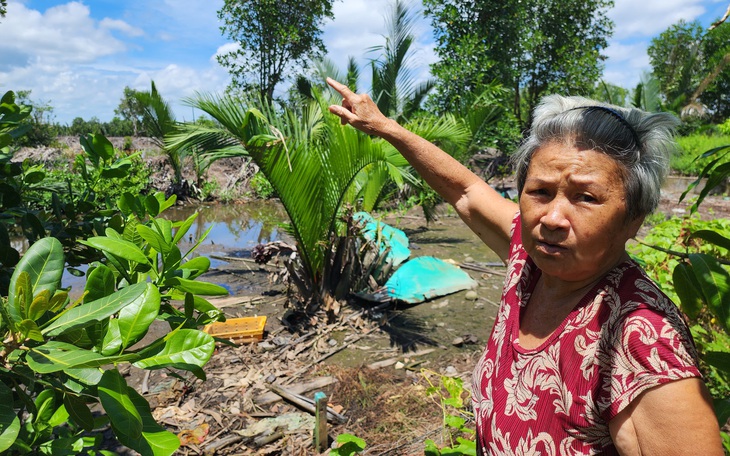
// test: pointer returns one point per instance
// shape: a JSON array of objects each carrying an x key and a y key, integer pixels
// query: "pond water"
[{"x": 234, "y": 230}]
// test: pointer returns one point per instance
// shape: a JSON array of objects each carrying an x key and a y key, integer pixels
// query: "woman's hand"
[{"x": 358, "y": 110}]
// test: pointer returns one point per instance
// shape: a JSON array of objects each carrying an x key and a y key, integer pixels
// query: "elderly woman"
[{"x": 587, "y": 355}]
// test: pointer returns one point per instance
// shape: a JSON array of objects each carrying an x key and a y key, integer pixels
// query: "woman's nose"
[{"x": 555, "y": 216}]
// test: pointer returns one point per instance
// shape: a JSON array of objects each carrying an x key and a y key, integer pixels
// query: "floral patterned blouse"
[{"x": 624, "y": 337}]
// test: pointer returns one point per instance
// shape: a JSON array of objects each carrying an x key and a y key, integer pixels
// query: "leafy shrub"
[
  {"x": 688, "y": 161},
  {"x": 261, "y": 187}
]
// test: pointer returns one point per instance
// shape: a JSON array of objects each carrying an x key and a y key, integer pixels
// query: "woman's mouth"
[{"x": 548, "y": 248}]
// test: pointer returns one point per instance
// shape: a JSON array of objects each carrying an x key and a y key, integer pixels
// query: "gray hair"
[{"x": 640, "y": 141}]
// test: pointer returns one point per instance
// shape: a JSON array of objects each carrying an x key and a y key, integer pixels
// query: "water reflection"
[{"x": 237, "y": 226}]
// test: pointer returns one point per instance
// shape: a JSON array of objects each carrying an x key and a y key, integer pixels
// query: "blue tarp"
[
  {"x": 424, "y": 278},
  {"x": 386, "y": 237},
  {"x": 415, "y": 280}
]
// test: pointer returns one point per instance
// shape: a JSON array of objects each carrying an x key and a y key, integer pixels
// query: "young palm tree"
[
  {"x": 310, "y": 159},
  {"x": 158, "y": 120}
]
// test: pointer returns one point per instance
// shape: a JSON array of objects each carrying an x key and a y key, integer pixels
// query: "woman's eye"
[{"x": 586, "y": 198}]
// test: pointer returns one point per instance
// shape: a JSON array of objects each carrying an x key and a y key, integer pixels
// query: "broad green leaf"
[
  {"x": 184, "y": 227},
  {"x": 112, "y": 342},
  {"x": 41, "y": 303},
  {"x": 58, "y": 301},
  {"x": 197, "y": 287},
  {"x": 154, "y": 439},
  {"x": 56, "y": 356},
  {"x": 43, "y": 262},
  {"x": 712, "y": 237},
  {"x": 85, "y": 375},
  {"x": 152, "y": 205},
  {"x": 719, "y": 360},
  {"x": 201, "y": 264},
  {"x": 45, "y": 404},
  {"x": 23, "y": 294},
  {"x": 100, "y": 283},
  {"x": 9, "y": 422},
  {"x": 187, "y": 349},
  {"x": 172, "y": 261},
  {"x": 29, "y": 329},
  {"x": 164, "y": 228},
  {"x": 687, "y": 288},
  {"x": 118, "y": 247},
  {"x": 155, "y": 240},
  {"x": 715, "y": 284},
  {"x": 79, "y": 411},
  {"x": 114, "y": 396},
  {"x": 135, "y": 319},
  {"x": 94, "y": 311},
  {"x": 722, "y": 409},
  {"x": 189, "y": 305}
]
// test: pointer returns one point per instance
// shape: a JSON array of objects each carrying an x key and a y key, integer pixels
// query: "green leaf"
[
  {"x": 95, "y": 311},
  {"x": 99, "y": 284},
  {"x": 349, "y": 445},
  {"x": 43, "y": 262},
  {"x": 112, "y": 342},
  {"x": 197, "y": 287},
  {"x": 29, "y": 330},
  {"x": 152, "y": 205},
  {"x": 184, "y": 227},
  {"x": 199, "y": 264},
  {"x": 715, "y": 284},
  {"x": 189, "y": 305},
  {"x": 688, "y": 290},
  {"x": 41, "y": 303},
  {"x": 115, "y": 398},
  {"x": 85, "y": 375},
  {"x": 56, "y": 356},
  {"x": 79, "y": 411},
  {"x": 154, "y": 440},
  {"x": 722, "y": 409},
  {"x": 719, "y": 360},
  {"x": 187, "y": 349},
  {"x": 118, "y": 247},
  {"x": 712, "y": 237},
  {"x": 155, "y": 240},
  {"x": 9, "y": 422},
  {"x": 135, "y": 319}
]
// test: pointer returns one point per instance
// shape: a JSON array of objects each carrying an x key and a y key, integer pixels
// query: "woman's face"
[{"x": 573, "y": 208}]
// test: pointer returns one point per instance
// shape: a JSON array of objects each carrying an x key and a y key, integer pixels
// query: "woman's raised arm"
[{"x": 484, "y": 210}]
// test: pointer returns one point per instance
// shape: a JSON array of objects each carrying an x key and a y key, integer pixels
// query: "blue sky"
[{"x": 79, "y": 55}]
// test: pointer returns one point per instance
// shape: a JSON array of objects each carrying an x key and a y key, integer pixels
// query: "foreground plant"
[{"x": 60, "y": 358}]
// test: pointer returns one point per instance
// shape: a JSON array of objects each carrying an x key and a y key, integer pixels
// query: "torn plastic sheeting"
[
  {"x": 424, "y": 278},
  {"x": 386, "y": 236}
]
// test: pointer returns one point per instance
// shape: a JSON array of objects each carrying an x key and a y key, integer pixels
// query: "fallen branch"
[{"x": 305, "y": 403}]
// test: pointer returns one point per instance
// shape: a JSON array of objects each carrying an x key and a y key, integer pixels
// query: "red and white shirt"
[{"x": 624, "y": 337}]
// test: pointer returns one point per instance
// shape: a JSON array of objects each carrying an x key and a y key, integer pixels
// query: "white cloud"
[
  {"x": 650, "y": 17},
  {"x": 64, "y": 33},
  {"x": 116, "y": 24}
]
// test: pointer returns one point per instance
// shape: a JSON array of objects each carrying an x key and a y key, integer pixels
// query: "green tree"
[
  {"x": 272, "y": 37},
  {"x": 3, "y": 8},
  {"x": 675, "y": 57},
  {"x": 130, "y": 109},
  {"x": 532, "y": 47},
  {"x": 691, "y": 65}
]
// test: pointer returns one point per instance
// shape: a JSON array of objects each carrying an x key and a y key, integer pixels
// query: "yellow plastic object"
[{"x": 239, "y": 330}]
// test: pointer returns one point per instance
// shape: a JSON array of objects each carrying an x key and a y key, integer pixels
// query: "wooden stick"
[
  {"x": 306, "y": 403},
  {"x": 320, "y": 424}
]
